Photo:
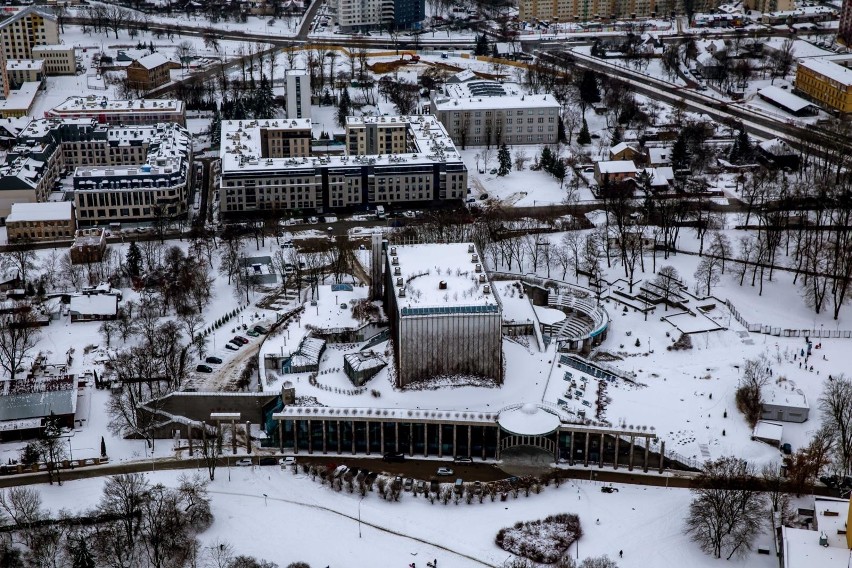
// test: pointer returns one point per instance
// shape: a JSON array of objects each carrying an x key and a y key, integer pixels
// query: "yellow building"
[
  {"x": 22, "y": 31},
  {"x": 827, "y": 83}
]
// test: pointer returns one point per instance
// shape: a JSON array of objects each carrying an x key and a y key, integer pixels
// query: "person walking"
[{"x": 621, "y": 554}]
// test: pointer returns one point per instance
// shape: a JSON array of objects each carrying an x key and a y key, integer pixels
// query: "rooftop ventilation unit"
[
  {"x": 402, "y": 292},
  {"x": 442, "y": 285},
  {"x": 474, "y": 258},
  {"x": 481, "y": 278},
  {"x": 478, "y": 268},
  {"x": 486, "y": 289},
  {"x": 400, "y": 282},
  {"x": 397, "y": 271}
]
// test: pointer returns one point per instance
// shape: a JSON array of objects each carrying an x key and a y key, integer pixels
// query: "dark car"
[
  {"x": 830, "y": 480},
  {"x": 483, "y": 197},
  {"x": 241, "y": 339},
  {"x": 214, "y": 360},
  {"x": 204, "y": 369},
  {"x": 268, "y": 461},
  {"x": 609, "y": 489},
  {"x": 392, "y": 457},
  {"x": 260, "y": 329}
]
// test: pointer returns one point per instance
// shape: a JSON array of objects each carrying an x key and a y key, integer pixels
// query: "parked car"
[
  {"x": 267, "y": 461},
  {"x": 243, "y": 462},
  {"x": 483, "y": 197},
  {"x": 261, "y": 330},
  {"x": 252, "y": 333},
  {"x": 445, "y": 471},
  {"x": 608, "y": 489},
  {"x": 231, "y": 346},
  {"x": 477, "y": 487},
  {"x": 830, "y": 480},
  {"x": 787, "y": 448},
  {"x": 458, "y": 486},
  {"x": 287, "y": 461},
  {"x": 392, "y": 457},
  {"x": 421, "y": 486},
  {"x": 408, "y": 484},
  {"x": 204, "y": 369},
  {"x": 462, "y": 459},
  {"x": 214, "y": 360},
  {"x": 241, "y": 339},
  {"x": 434, "y": 486}
]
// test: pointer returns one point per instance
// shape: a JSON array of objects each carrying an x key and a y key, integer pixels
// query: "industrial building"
[
  {"x": 484, "y": 113},
  {"x": 444, "y": 318},
  {"x": 259, "y": 175}
]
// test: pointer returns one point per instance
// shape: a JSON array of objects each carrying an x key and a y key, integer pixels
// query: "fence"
[{"x": 777, "y": 331}]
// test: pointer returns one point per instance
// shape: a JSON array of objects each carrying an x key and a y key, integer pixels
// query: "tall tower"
[{"x": 376, "y": 266}]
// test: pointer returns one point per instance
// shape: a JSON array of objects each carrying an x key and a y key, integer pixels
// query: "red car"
[{"x": 241, "y": 339}]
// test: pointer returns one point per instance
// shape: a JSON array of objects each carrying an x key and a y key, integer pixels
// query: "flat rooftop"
[
  {"x": 784, "y": 396},
  {"x": 441, "y": 276},
  {"x": 50, "y": 211},
  {"x": 828, "y": 69},
  {"x": 488, "y": 95},
  {"x": 100, "y": 105}
]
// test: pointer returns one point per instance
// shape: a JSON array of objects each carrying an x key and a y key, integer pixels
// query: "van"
[
  {"x": 380, "y": 211},
  {"x": 458, "y": 486}
]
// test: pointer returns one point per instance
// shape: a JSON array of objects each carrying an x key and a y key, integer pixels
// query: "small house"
[
  {"x": 363, "y": 366},
  {"x": 776, "y": 153},
  {"x": 93, "y": 308},
  {"x": 768, "y": 433},
  {"x": 784, "y": 404},
  {"x": 624, "y": 151},
  {"x": 149, "y": 72},
  {"x": 614, "y": 171}
]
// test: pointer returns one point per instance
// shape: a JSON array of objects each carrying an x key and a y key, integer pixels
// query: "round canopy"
[{"x": 528, "y": 420}]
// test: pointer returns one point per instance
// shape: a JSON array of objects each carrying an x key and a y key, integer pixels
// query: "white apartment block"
[
  {"x": 362, "y": 15},
  {"x": 428, "y": 169},
  {"x": 298, "y": 86},
  {"x": 486, "y": 113}
]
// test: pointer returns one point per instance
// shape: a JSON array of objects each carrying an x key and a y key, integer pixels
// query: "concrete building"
[
  {"x": 828, "y": 544},
  {"x": 369, "y": 136},
  {"x": 121, "y": 112},
  {"x": 148, "y": 72},
  {"x": 20, "y": 71},
  {"x": 444, "y": 318},
  {"x": 826, "y": 82},
  {"x": 480, "y": 113},
  {"x": 298, "y": 88},
  {"x": 58, "y": 59},
  {"x": 19, "y": 102},
  {"x": 408, "y": 14},
  {"x": 20, "y": 33},
  {"x": 40, "y": 222},
  {"x": 784, "y": 405},
  {"x": 122, "y": 173},
  {"x": 364, "y": 15},
  {"x": 256, "y": 178}
]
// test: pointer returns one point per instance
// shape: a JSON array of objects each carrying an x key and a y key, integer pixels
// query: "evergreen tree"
[
  {"x": 494, "y": 53},
  {"x": 134, "y": 260},
  {"x": 559, "y": 171},
  {"x": 263, "y": 100},
  {"x": 481, "y": 46},
  {"x": 561, "y": 135},
  {"x": 584, "y": 137},
  {"x": 547, "y": 159},
  {"x": 326, "y": 98},
  {"x": 589, "y": 92},
  {"x": 344, "y": 105},
  {"x": 680, "y": 153},
  {"x": 744, "y": 146},
  {"x": 103, "y": 448},
  {"x": 504, "y": 159},
  {"x": 616, "y": 136},
  {"x": 81, "y": 557}
]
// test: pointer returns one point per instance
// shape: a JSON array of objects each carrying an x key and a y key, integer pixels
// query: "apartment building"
[
  {"x": 364, "y": 15},
  {"x": 285, "y": 138},
  {"x": 610, "y": 10},
  {"x": 427, "y": 170},
  {"x": 825, "y": 82},
  {"x": 40, "y": 222},
  {"x": 376, "y": 136},
  {"x": 58, "y": 59},
  {"x": 480, "y": 113},
  {"x": 118, "y": 112},
  {"x": 20, "y": 33},
  {"x": 149, "y": 72},
  {"x": 298, "y": 86},
  {"x": 133, "y": 173}
]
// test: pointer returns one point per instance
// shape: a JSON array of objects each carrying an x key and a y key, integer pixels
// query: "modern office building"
[
  {"x": 444, "y": 318},
  {"x": 408, "y": 14},
  {"x": 121, "y": 112},
  {"x": 825, "y": 82},
  {"x": 298, "y": 93},
  {"x": 363, "y": 15},
  {"x": 257, "y": 177},
  {"x": 484, "y": 113}
]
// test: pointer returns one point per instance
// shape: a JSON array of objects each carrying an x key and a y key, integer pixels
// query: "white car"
[
  {"x": 445, "y": 471},
  {"x": 243, "y": 462},
  {"x": 289, "y": 460}
]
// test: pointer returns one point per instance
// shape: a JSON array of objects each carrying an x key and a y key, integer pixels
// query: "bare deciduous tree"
[{"x": 835, "y": 406}]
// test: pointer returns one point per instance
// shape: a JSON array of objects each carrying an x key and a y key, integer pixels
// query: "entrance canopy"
[{"x": 528, "y": 420}]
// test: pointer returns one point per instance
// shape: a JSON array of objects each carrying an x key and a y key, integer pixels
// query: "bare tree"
[
  {"x": 755, "y": 376},
  {"x": 18, "y": 336},
  {"x": 708, "y": 273},
  {"x": 775, "y": 485},
  {"x": 835, "y": 406},
  {"x": 726, "y": 513},
  {"x": 667, "y": 282}
]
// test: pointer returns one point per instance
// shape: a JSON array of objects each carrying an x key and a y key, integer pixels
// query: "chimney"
[{"x": 442, "y": 285}]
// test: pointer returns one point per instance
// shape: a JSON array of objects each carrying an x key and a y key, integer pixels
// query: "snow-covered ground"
[{"x": 282, "y": 517}]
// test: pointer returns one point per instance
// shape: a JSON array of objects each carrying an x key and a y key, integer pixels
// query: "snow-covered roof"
[
  {"x": 50, "y": 211},
  {"x": 309, "y": 352},
  {"x": 616, "y": 167},
  {"x": 37, "y": 404},
  {"x": 442, "y": 276},
  {"x": 529, "y": 420},
  {"x": 790, "y": 397},
  {"x": 153, "y": 61},
  {"x": 803, "y": 550},
  {"x": 462, "y": 76},
  {"x": 621, "y": 147},
  {"x": 776, "y": 147},
  {"x": 95, "y": 105},
  {"x": 784, "y": 98},
  {"x": 364, "y": 361},
  {"x": 483, "y": 94},
  {"x": 659, "y": 155},
  {"x": 100, "y": 305},
  {"x": 54, "y": 47},
  {"x": 828, "y": 69},
  {"x": 662, "y": 175},
  {"x": 831, "y": 515},
  {"x": 768, "y": 431},
  {"x": 707, "y": 60},
  {"x": 24, "y": 64},
  {"x": 21, "y": 99}
]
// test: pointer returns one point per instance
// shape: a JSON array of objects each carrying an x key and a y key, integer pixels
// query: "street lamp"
[{"x": 359, "y": 516}]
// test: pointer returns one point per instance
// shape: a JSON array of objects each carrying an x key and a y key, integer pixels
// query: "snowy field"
[{"x": 282, "y": 517}]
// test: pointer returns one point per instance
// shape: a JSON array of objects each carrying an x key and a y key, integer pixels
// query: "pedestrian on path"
[{"x": 621, "y": 554}]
